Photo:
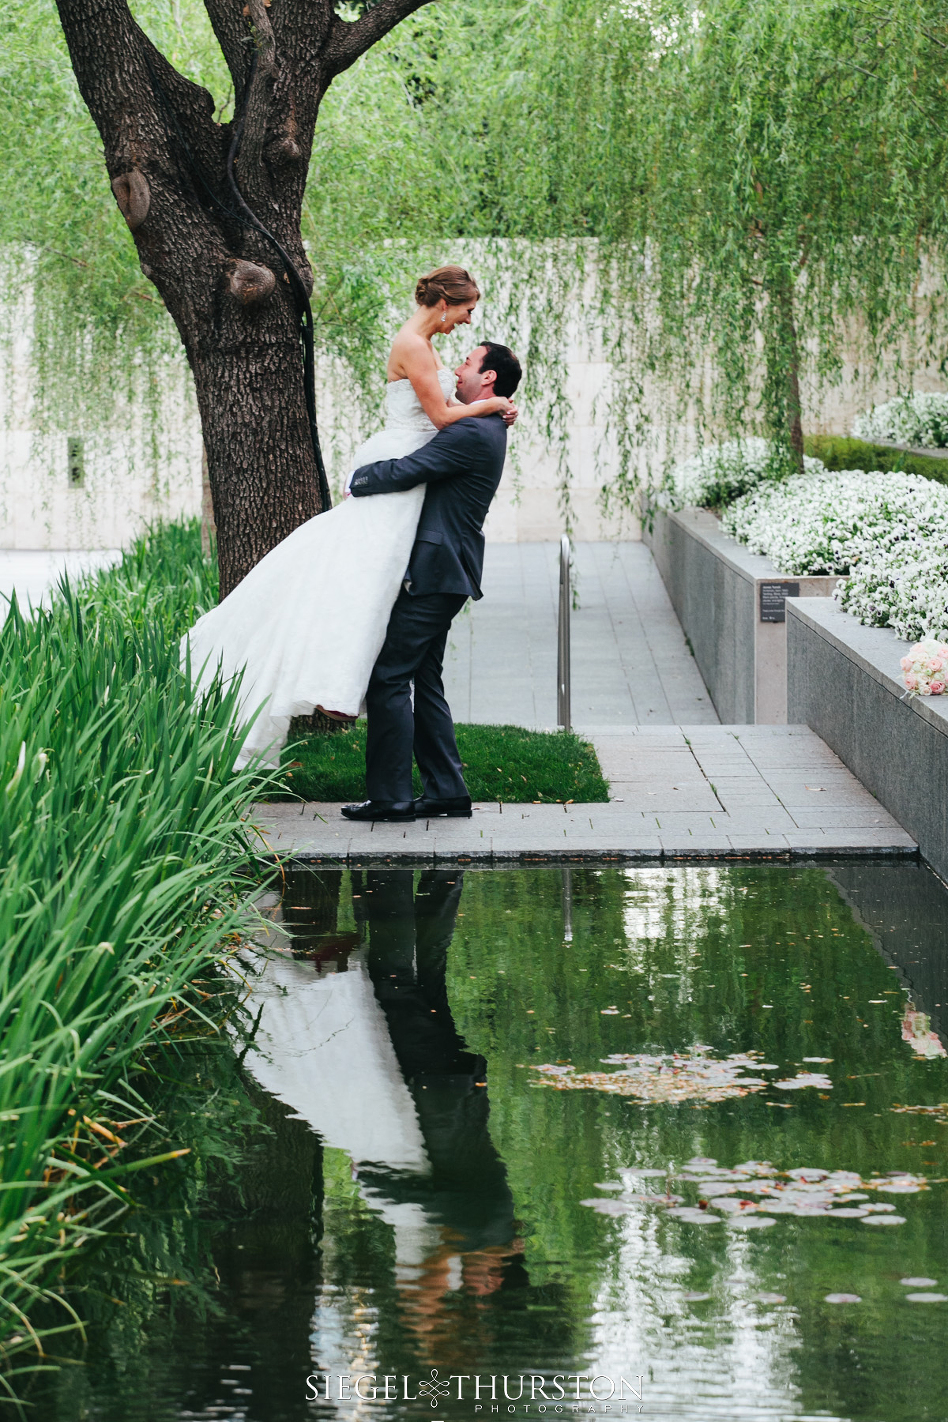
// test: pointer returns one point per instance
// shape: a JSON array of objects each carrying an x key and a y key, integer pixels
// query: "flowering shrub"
[
  {"x": 887, "y": 531},
  {"x": 721, "y": 472},
  {"x": 909, "y": 419},
  {"x": 925, "y": 667}
]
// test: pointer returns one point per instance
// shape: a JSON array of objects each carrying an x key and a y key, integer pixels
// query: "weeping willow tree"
[
  {"x": 724, "y": 201},
  {"x": 767, "y": 187}
]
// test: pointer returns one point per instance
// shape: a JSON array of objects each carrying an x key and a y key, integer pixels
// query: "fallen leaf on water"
[{"x": 940, "y": 1112}]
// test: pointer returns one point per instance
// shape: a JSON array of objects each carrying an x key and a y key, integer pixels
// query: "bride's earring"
[{"x": 443, "y": 314}]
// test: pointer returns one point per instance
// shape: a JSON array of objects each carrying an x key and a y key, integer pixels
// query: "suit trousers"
[{"x": 413, "y": 652}]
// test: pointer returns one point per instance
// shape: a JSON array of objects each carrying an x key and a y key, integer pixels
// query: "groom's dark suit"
[{"x": 462, "y": 467}]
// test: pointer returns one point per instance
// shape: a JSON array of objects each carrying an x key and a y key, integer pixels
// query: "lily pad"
[
  {"x": 608, "y": 1207},
  {"x": 804, "y": 1079}
]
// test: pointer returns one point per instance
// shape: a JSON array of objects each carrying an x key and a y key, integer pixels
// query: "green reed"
[{"x": 121, "y": 839}]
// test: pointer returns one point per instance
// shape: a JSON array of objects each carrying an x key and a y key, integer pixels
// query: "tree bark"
[
  {"x": 785, "y": 354},
  {"x": 208, "y": 527},
  {"x": 224, "y": 284}
]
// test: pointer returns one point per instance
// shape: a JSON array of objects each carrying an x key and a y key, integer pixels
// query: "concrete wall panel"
[{"x": 844, "y": 682}]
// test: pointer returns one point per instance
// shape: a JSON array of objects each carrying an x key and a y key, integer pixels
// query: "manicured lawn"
[{"x": 500, "y": 763}]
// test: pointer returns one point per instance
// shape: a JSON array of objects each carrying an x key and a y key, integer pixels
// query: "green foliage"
[
  {"x": 120, "y": 829},
  {"x": 717, "y": 200},
  {"x": 837, "y": 452},
  {"x": 500, "y": 763}
]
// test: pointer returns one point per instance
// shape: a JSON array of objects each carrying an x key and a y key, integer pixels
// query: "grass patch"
[
  {"x": 838, "y": 452},
  {"x": 500, "y": 763}
]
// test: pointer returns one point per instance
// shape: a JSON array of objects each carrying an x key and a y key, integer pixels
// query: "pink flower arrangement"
[{"x": 925, "y": 668}]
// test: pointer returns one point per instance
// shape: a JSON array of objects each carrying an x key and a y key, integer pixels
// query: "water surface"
[{"x": 385, "y": 1183}]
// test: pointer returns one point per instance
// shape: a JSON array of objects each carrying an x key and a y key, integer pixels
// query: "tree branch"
[
  {"x": 230, "y": 30},
  {"x": 115, "y": 64},
  {"x": 259, "y": 92},
  {"x": 349, "y": 39}
]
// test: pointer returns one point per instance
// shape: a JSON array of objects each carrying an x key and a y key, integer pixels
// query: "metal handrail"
[{"x": 562, "y": 638}]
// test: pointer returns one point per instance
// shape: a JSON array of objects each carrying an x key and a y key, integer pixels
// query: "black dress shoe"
[
  {"x": 389, "y": 810},
  {"x": 458, "y": 808}
]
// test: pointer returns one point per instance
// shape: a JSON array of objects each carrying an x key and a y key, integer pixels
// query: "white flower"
[
  {"x": 886, "y": 531},
  {"x": 720, "y": 472},
  {"x": 909, "y": 419}
]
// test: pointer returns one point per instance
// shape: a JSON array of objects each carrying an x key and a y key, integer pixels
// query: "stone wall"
[
  {"x": 724, "y": 597},
  {"x": 844, "y": 682}
]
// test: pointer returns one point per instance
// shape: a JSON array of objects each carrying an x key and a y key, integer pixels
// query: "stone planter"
[
  {"x": 912, "y": 449},
  {"x": 844, "y": 682},
  {"x": 731, "y": 605}
]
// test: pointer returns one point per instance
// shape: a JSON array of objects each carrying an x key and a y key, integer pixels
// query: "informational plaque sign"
[{"x": 773, "y": 599}]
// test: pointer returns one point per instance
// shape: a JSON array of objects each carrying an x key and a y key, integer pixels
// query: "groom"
[{"x": 461, "y": 467}]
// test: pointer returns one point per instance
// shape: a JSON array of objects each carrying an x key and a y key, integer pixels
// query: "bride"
[{"x": 306, "y": 625}]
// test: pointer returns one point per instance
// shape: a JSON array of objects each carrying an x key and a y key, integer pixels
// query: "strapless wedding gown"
[{"x": 306, "y": 625}]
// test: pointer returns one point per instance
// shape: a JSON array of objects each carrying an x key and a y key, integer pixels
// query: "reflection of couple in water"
[{"x": 370, "y": 1056}]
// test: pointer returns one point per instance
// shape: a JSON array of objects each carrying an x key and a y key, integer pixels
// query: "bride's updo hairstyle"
[{"x": 451, "y": 284}]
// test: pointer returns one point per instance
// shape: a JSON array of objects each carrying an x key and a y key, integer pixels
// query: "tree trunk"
[
  {"x": 261, "y": 467},
  {"x": 794, "y": 404},
  {"x": 784, "y": 366},
  {"x": 194, "y": 194},
  {"x": 208, "y": 528}
]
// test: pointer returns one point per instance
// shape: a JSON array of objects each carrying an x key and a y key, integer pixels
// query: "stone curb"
[{"x": 517, "y": 858}]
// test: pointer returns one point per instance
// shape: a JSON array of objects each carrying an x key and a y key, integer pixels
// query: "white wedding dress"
[{"x": 307, "y": 623}]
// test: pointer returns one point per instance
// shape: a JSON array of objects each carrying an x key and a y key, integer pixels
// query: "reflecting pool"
[{"x": 668, "y": 1142}]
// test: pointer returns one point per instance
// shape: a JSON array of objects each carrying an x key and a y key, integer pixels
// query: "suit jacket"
[{"x": 462, "y": 467}]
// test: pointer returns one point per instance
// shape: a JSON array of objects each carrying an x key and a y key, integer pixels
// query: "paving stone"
[
  {"x": 763, "y": 844},
  {"x": 766, "y": 819},
  {"x": 845, "y": 817}
]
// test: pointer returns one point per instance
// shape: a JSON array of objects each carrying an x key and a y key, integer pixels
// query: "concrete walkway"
[
  {"x": 696, "y": 792},
  {"x": 680, "y": 784},
  {"x": 631, "y": 664}
]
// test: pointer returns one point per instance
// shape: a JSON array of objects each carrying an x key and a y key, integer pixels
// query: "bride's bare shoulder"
[{"x": 411, "y": 354}]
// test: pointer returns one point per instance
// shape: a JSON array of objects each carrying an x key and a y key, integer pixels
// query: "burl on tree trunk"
[{"x": 223, "y": 282}]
